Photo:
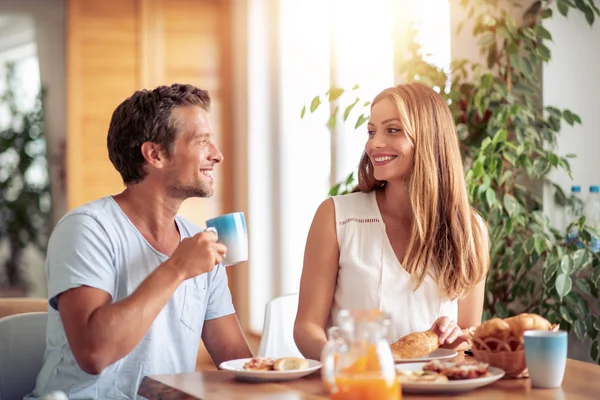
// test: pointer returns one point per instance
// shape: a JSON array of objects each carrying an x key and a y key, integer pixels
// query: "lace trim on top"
[{"x": 359, "y": 220}]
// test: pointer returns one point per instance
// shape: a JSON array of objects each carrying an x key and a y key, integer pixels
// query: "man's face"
[{"x": 188, "y": 170}]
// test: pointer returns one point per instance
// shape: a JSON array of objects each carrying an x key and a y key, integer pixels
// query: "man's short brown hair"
[{"x": 146, "y": 116}]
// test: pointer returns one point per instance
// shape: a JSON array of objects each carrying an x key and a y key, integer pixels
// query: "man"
[{"x": 133, "y": 286}]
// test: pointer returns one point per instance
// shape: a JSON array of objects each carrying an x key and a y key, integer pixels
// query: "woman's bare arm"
[{"x": 317, "y": 285}]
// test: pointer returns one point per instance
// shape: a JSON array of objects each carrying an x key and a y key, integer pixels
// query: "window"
[{"x": 293, "y": 162}]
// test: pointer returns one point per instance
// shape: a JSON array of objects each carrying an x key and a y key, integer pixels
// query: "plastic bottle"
[{"x": 591, "y": 210}]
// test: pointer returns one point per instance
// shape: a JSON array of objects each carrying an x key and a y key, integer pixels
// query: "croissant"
[
  {"x": 523, "y": 322},
  {"x": 415, "y": 345},
  {"x": 495, "y": 327}
]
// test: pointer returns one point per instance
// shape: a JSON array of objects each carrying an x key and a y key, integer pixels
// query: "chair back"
[
  {"x": 22, "y": 347},
  {"x": 278, "y": 330}
]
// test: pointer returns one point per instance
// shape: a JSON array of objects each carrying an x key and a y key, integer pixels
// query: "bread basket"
[{"x": 508, "y": 354}]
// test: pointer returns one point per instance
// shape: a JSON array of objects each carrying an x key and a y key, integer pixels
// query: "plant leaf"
[
  {"x": 581, "y": 259},
  {"x": 335, "y": 93},
  {"x": 302, "y": 112},
  {"x": 562, "y": 8},
  {"x": 349, "y": 108},
  {"x": 315, "y": 103},
  {"x": 361, "y": 120},
  {"x": 565, "y": 264},
  {"x": 580, "y": 329},
  {"x": 543, "y": 32},
  {"x": 335, "y": 189},
  {"x": 565, "y": 315},
  {"x": 563, "y": 285},
  {"x": 332, "y": 119}
]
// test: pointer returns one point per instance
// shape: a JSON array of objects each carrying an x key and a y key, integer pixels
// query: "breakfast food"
[
  {"x": 500, "y": 342},
  {"x": 280, "y": 364},
  {"x": 440, "y": 372},
  {"x": 420, "y": 377},
  {"x": 458, "y": 371},
  {"x": 415, "y": 345},
  {"x": 507, "y": 334},
  {"x": 524, "y": 322},
  {"x": 259, "y": 364},
  {"x": 290, "y": 363}
]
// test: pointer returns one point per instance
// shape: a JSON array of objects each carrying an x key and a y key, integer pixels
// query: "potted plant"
[
  {"x": 508, "y": 141},
  {"x": 24, "y": 199}
]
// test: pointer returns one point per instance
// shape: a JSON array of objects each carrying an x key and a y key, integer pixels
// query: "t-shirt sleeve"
[
  {"x": 79, "y": 254},
  {"x": 219, "y": 297}
]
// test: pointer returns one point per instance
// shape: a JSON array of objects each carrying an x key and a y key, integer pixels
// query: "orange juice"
[{"x": 365, "y": 386}]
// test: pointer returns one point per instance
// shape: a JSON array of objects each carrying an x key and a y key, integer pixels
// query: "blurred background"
[{"x": 66, "y": 64}]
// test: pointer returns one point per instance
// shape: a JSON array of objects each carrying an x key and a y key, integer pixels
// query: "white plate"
[
  {"x": 439, "y": 354},
  {"x": 237, "y": 367},
  {"x": 457, "y": 386}
]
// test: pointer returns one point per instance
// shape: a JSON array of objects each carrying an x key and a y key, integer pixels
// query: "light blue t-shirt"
[{"x": 97, "y": 245}]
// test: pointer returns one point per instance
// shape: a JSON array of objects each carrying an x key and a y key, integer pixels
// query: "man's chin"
[{"x": 185, "y": 192}]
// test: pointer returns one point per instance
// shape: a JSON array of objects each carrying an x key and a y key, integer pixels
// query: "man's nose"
[{"x": 215, "y": 154}]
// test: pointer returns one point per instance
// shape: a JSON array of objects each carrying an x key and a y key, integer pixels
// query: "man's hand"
[{"x": 197, "y": 255}]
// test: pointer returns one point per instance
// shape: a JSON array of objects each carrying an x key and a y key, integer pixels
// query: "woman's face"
[{"x": 389, "y": 148}]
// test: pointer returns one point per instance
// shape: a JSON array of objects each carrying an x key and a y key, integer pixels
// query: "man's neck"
[{"x": 151, "y": 211}]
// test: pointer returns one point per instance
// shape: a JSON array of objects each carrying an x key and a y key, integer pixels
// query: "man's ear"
[{"x": 154, "y": 154}]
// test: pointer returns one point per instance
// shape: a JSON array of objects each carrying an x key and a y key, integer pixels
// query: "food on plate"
[
  {"x": 439, "y": 372},
  {"x": 415, "y": 345},
  {"x": 420, "y": 376},
  {"x": 280, "y": 364},
  {"x": 259, "y": 364},
  {"x": 290, "y": 363},
  {"x": 458, "y": 371}
]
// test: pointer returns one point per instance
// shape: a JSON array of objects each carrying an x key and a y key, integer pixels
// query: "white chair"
[
  {"x": 22, "y": 346},
  {"x": 278, "y": 330}
]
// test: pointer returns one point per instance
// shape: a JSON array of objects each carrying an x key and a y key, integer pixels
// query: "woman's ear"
[{"x": 154, "y": 154}]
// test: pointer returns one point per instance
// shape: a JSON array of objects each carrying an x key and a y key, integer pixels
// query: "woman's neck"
[{"x": 394, "y": 200}]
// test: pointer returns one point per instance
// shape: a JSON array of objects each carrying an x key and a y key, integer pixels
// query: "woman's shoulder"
[
  {"x": 355, "y": 205},
  {"x": 354, "y": 198}
]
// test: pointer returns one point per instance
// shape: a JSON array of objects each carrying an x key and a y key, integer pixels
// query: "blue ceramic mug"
[
  {"x": 546, "y": 357},
  {"x": 232, "y": 232}
]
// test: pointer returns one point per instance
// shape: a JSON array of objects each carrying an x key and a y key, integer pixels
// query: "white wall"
[{"x": 572, "y": 80}]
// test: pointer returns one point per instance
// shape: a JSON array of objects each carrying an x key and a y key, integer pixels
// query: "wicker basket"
[{"x": 508, "y": 354}]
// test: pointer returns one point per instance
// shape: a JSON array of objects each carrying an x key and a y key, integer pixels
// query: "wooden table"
[{"x": 582, "y": 382}]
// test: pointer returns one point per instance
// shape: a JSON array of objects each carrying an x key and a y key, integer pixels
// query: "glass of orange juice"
[{"x": 357, "y": 359}]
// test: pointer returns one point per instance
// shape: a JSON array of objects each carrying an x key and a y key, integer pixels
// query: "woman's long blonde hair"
[{"x": 447, "y": 233}]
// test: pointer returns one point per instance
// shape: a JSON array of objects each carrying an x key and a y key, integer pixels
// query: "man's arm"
[
  {"x": 222, "y": 334},
  {"x": 225, "y": 340},
  {"x": 81, "y": 279},
  {"x": 100, "y": 332}
]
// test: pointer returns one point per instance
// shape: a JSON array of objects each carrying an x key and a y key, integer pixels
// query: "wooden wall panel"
[
  {"x": 102, "y": 70},
  {"x": 118, "y": 46}
]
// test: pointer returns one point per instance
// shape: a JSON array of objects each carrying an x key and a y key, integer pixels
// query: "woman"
[{"x": 407, "y": 242}]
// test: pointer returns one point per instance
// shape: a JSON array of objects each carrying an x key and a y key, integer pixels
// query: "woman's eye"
[
  {"x": 394, "y": 130},
  {"x": 370, "y": 132}
]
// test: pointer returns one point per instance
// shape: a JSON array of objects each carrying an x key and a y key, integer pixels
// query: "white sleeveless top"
[{"x": 370, "y": 275}]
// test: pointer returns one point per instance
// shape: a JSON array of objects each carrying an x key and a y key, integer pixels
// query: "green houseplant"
[
  {"x": 24, "y": 200},
  {"x": 508, "y": 141}
]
